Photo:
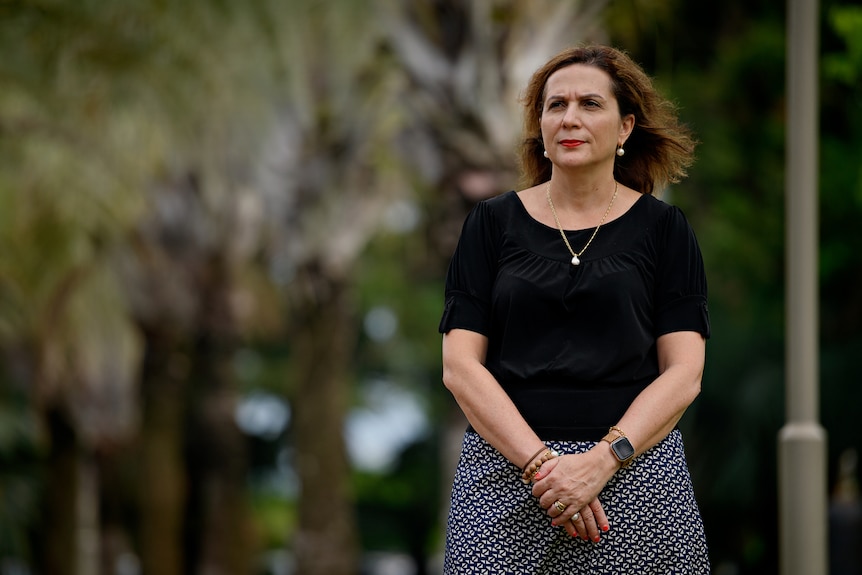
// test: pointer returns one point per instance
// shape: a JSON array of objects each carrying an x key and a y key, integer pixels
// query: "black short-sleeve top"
[{"x": 574, "y": 345}]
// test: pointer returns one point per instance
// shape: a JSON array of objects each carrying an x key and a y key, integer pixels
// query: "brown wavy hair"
[{"x": 657, "y": 152}]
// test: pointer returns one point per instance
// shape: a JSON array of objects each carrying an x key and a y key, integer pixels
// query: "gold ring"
[
  {"x": 576, "y": 516},
  {"x": 560, "y": 507}
]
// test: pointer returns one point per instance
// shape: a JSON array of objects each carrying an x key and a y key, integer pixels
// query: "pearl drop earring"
[
  {"x": 621, "y": 152},
  {"x": 545, "y": 153}
]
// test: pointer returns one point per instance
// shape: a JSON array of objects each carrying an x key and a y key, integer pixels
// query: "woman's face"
[{"x": 580, "y": 123}]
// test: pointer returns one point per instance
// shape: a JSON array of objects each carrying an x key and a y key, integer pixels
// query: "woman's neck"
[{"x": 580, "y": 191}]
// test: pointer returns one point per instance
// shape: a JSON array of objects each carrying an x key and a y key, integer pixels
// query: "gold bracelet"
[
  {"x": 532, "y": 468},
  {"x": 533, "y": 458}
]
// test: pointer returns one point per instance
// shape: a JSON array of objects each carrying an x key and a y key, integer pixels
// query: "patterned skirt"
[{"x": 496, "y": 526}]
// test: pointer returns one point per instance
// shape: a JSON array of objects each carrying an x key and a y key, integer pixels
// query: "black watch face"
[{"x": 623, "y": 448}]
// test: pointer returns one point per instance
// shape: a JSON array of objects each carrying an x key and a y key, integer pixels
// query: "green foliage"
[
  {"x": 845, "y": 67},
  {"x": 393, "y": 273},
  {"x": 399, "y": 510},
  {"x": 841, "y": 175},
  {"x": 274, "y": 518},
  {"x": 20, "y": 451},
  {"x": 841, "y": 244},
  {"x": 399, "y": 507}
]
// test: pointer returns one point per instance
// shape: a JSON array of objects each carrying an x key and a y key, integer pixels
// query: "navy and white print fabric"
[{"x": 496, "y": 526}]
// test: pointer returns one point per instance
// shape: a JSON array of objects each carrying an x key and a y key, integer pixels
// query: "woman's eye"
[
  {"x": 553, "y": 105},
  {"x": 591, "y": 104}
]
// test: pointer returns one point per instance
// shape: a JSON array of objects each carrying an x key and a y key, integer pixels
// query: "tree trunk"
[
  {"x": 56, "y": 544},
  {"x": 326, "y": 540},
  {"x": 162, "y": 477},
  {"x": 87, "y": 511},
  {"x": 217, "y": 517}
]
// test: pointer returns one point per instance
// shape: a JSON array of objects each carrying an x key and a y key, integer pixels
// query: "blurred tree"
[
  {"x": 72, "y": 350},
  {"x": 328, "y": 174},
  {"x": 101, "y": 109}
]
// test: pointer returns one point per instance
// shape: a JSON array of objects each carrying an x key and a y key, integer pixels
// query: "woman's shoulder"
[
  {"x": 491, "y": 216},
  {"x": 666, "y": 221},
  {"x": 503, "y": 207},
  {"x": 503, "y": 201},
  {"x": 654, "y": 209},
  {"x": 654, "y": 205}
]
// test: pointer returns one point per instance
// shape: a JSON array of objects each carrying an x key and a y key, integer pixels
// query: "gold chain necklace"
[{"x": 575, "y": 256}]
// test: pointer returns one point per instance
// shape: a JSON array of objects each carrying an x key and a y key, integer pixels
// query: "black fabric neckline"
[{"x": 622, "y": 217}]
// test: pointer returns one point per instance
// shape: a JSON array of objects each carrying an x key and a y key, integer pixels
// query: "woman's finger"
[
  {"x": 599, "y": 512},
  {"x": 591, "y": 528},
  {"x": 578, "y": 525}
]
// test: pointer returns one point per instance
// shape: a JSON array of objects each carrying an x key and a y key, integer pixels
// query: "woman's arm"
[
  {"x": 658, "y": 408},
  {"x": 487, "y": 407}
]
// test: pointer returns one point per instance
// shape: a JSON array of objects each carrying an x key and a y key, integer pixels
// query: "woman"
[{"x": 574, "y": 339}]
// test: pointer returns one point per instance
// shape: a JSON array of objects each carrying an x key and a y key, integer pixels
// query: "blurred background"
[{"x": 224, "y": 229}]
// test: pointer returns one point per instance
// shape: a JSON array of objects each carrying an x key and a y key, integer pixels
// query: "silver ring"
[
  {"x": 560, "y": 507},
  {"x": 576, "y": 516}
]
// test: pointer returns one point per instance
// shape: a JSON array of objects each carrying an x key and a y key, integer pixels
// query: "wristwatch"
[{"x": 621, "y": 447}]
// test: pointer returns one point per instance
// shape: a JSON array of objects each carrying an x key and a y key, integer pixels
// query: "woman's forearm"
[
  {"x": 484, "y": 402},
  {"x": 657, "y": 410}
]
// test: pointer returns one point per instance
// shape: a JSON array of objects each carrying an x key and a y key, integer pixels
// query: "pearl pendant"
[{"x": 576, "y": 261}]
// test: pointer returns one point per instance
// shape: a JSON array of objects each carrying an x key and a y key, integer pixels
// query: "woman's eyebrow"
[{"x": 589, "y": 95}]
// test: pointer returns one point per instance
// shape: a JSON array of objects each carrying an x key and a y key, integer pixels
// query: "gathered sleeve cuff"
[
  {"x": 688, "y": 313},
  {"x": 461, "y": 311},
  {"x": 472, "y": 272},
  {"x": 681, "y": 292}
]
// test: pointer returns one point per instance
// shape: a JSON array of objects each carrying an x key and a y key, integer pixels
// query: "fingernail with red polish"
[
  {"x": 605, "y": 528},
  {"x": 597, "y": 538}
]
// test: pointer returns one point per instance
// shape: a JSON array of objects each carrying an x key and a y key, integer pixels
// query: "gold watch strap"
[{"x": 613, "y": 434}]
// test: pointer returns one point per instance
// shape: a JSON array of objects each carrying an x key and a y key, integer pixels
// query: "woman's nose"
[{"x": 571, "y": 118}]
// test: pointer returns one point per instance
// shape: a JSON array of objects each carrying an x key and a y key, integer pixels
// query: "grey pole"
[{"x": 802, "y": 441}]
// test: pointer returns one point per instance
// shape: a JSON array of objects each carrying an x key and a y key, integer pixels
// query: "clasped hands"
[{"x": 567, "y": 488}]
